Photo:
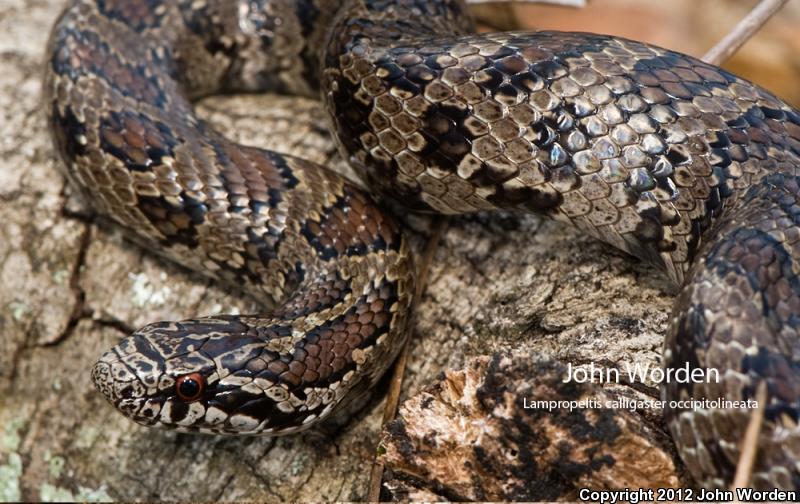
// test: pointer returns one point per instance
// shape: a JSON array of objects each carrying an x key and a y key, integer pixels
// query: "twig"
[
  {"x": 565, "y": 3},
  {"x": 747, "y": 457},
  {"x": 393, "y": 396},
  {"x": 742, "y": 32}
]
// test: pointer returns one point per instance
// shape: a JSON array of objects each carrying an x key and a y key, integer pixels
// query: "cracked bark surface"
[
  {"x": 467, "y": 437},
  {"x": 70, "y": 286}
]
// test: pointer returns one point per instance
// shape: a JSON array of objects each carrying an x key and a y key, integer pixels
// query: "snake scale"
[{"x": 675, "y": 161}]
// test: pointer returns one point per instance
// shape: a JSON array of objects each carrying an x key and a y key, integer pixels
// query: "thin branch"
[
  {"x": 742, "y": 32},
  {"x": 393, "y": 396},
  {"x": 565, "y": 3},
  {"x": 747, "y": 456}
]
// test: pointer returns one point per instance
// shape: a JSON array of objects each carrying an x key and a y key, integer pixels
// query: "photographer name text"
[{"x": 640, "y": 373}]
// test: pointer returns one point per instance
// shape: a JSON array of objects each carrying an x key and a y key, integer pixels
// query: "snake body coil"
[{"x": 670, "y": 159}]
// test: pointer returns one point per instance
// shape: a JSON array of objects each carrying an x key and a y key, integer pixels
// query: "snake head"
[{"x": 183, "y": 375}]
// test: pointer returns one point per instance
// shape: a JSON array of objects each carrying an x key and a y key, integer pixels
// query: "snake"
[{"x": 675, "y": 161}]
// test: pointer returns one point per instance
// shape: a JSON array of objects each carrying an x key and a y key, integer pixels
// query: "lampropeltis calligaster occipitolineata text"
[{"x": 670, "y": 159}]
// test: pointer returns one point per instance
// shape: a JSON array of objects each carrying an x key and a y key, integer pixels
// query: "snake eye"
[{"x": 189, "y": 387}]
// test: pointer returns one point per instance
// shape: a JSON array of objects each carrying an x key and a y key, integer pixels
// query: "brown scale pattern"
[
  {"x": 322, "y": 294},
  {"x": 657, "y": 153},
  {"x": 349, "y": 227},
  {"x": 331, "y": 349}
]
